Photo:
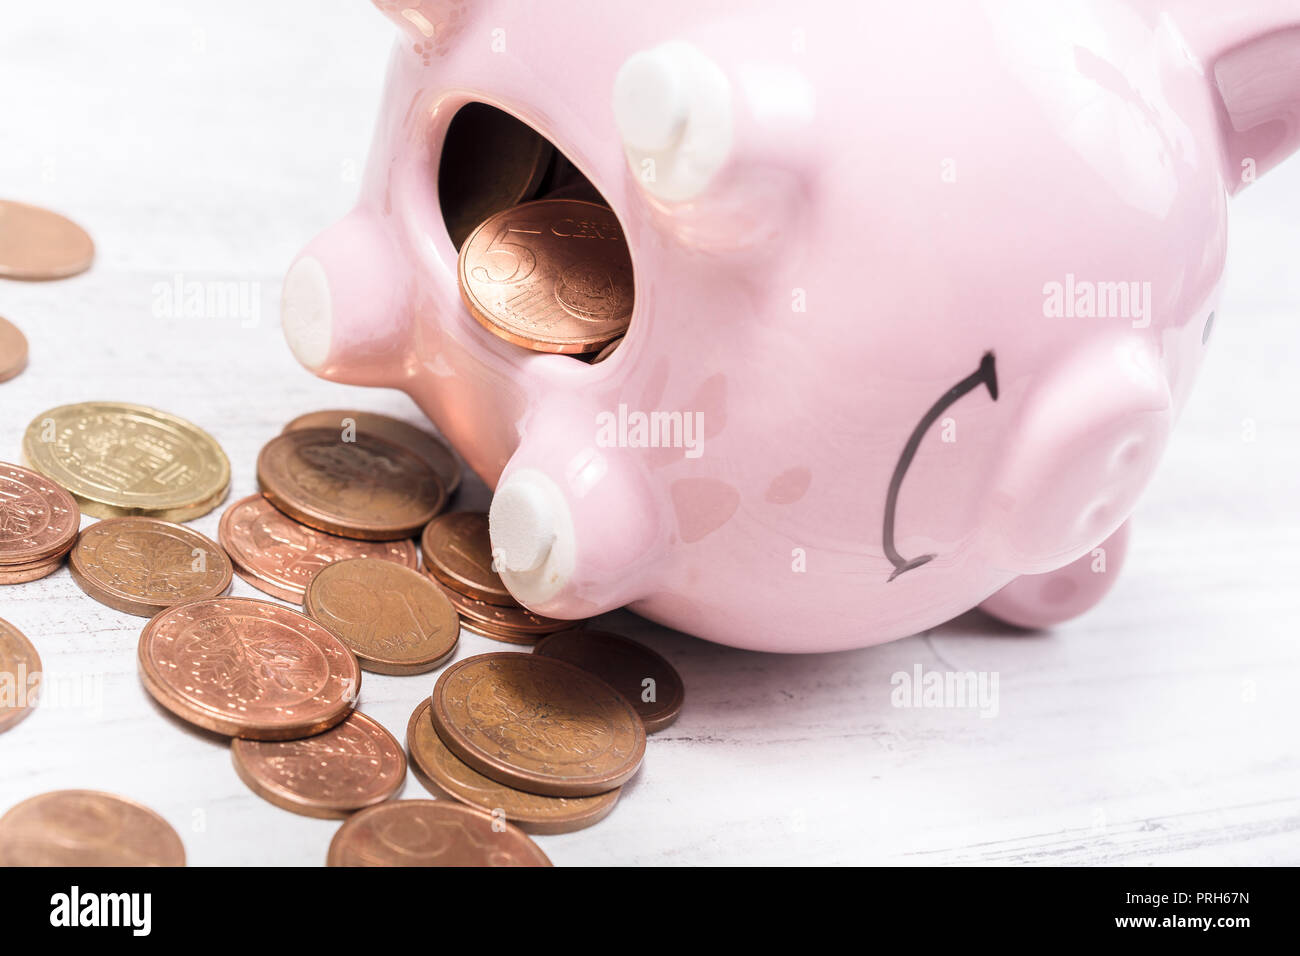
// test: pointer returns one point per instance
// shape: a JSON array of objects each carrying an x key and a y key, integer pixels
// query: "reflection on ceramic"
[{"x": 918, "y": 295}]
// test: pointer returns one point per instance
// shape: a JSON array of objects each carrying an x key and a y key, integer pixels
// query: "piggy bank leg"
[{"x": 1042, "y": 600}]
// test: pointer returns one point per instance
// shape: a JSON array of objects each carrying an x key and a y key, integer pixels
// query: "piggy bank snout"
[{"x": 1088, "y": 442}]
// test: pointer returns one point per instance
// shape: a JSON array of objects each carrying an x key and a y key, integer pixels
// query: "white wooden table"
[{"x": 210, "y": 141}]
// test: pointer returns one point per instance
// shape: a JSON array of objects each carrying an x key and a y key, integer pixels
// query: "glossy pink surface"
[{"x": 901, "y": 198}]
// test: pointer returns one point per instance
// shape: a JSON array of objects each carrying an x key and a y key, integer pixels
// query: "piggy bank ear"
[
  {"x": 431, "y": 25},
  {"x": 1084, "y": 445}
]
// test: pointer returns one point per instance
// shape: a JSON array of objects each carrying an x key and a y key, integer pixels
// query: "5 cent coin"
[
  {"x": 248, "y": 668},
  {"x": 353, "y": 765},
  {"x": 538, "y": 724},
  {"x": 143, "y": 565},
  {"x": 86, "y": 828},
  {"x": 368, "y": 488},
  {"x": 442, "y": 771},
  {"x": 431, "y": 833},
  {"x": 395, "y": 620}
]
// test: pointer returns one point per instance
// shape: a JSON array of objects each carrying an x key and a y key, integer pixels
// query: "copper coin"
[
  {"x": 38, "y": 244},
  {"x": 441, "y": 771},
  {"x": 607, "y": 351},
  {"x": 86, "y": 828},
  {"x": 649, "y": 682},
  {"x": 38, "y": 518},
  {"x": 22, "y": 574},
  {"x": 538, "y": 724},
  {"x": 248, "y": 668},
  {"x": 489, "y": 161},
  {"x": 368, "y": 488},
  {"x": 143, "y": 565},
  {"x": 395, "y": 620},
  {"x": 552, "y": 275},
  {"x": 516, "y": 623},
  {"x": 458, "y": 552},
  {"x": 13, "y": 350},
  {"x": 349, "y": 767},
  {"x": 431, "y": 833},
  {"x": 20, "y": 669},
  {"x": 436, "y": 454},
  {"x": 280, "y": 556}
]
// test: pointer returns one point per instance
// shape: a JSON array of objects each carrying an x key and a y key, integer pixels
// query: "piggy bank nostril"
[
  {"x": 650, "y": 104},
  {"x": 522, "y": 523},
  {"x": 306, "y": 312}
]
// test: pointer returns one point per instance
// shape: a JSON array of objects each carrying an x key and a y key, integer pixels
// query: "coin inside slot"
[{"x": 492, "y": 162}]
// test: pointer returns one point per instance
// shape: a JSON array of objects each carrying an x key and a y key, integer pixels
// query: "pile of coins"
[{"x": 38, "y": 525}]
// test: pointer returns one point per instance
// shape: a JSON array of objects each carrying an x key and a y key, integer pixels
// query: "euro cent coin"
[
  {"x": 367, "y": 488},
  {"x": 13, "y": 350},
  {"x": 538, "y": 724},
  {"x": 120, "y": 459},
  {"x": 86, "y": 828},
  {"x": 458, "y": 552},
  {"x": 248, "y": 668},
  {"x": 431, "y": 833},
  {"x": 143, "y": 565},
  {"x": 441, "y": 771},
  {"x": 394, "y": 619},
  {"x": 353, "y": 765},
  {"x": 652, "y": 685},
  {"x": 280, "y": 556},
  {"x": 552, "y": 275},
  {"x": 38, "y": 517},
  {"x": 20, "y": 665},
  {"x": 433, "y": 450},
  {"x": 38, "y": 244}
]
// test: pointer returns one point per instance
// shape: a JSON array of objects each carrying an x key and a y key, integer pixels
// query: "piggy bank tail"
[{"x": 1250, "y": 52}]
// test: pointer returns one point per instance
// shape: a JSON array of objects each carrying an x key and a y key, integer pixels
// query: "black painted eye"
[{"x": 1205, "y": 332}]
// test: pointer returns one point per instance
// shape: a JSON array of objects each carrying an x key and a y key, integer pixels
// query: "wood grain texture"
[{"x": 211, "y": 143}]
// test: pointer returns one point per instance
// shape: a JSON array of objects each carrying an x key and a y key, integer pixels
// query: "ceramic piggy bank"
[{"x": 919, "y": 292}]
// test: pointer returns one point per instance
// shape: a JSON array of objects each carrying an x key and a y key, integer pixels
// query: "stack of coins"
[
  {"x": 38, "y": 524},
  {"x": 457, "y": 553}
]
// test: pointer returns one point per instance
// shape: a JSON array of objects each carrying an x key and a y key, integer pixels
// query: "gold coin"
[
  {"x": 119, "y": 459},
  {"x": 86, "y": 828},
  {"x": 439, "y": 457},
  {"x": 13, "y": 350},
  {"x": 431, "y": 833},
  {"x": 458, "y": 553},
  {"x": 143, "y": 565},
  {"x": 20, "y": 668},
  {"x": 351, "y": 766},
  {"x": 441, "y": 771},
  {"x": 553, "y": 276},
  {"x": 38, "y": 244},
  {"x": 368, "y": 488},
  {"x": 395, "y": 620}
]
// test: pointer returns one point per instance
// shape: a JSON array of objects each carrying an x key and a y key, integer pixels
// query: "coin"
[
  {"x": 353, "y": 765},
  {"x": 13, "y": 350},
  {"x": 649, "y": 682},
  {"x": 276, "y": 554},
  {"x": 248, "y": 668},
  {"x": 38, "y": 244},
  {"x": 436, "y": 454},
  {"x": 395, "y": 620},
  {"x": 458, "y": 552},
  {"x": 513, "y": 624},
  {"x": 431, "y": 833},
  {"x": 538, "y": 724},
  {"x": 143, "y": 565},
  {"x": 22, "y": 574},
  {"x": 38, "y": 518},
  {"x": 607, "y": 351},
  {"x": 552, "y": 275},
  {"x": 86, "y": 828},
  {"x": 120, "y": 459},
  {"x": 368, "y": 488},
  {"x": 20, "y": 670},
  {"x": 490, "y": 161},
  {"x": 441, "y": 771}
]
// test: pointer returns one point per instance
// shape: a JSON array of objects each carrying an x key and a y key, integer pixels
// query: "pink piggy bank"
[{"x": 919, "y": 294}]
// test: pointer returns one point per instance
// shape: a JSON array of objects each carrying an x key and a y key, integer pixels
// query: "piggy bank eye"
[{"x": 551, "y": 276}]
